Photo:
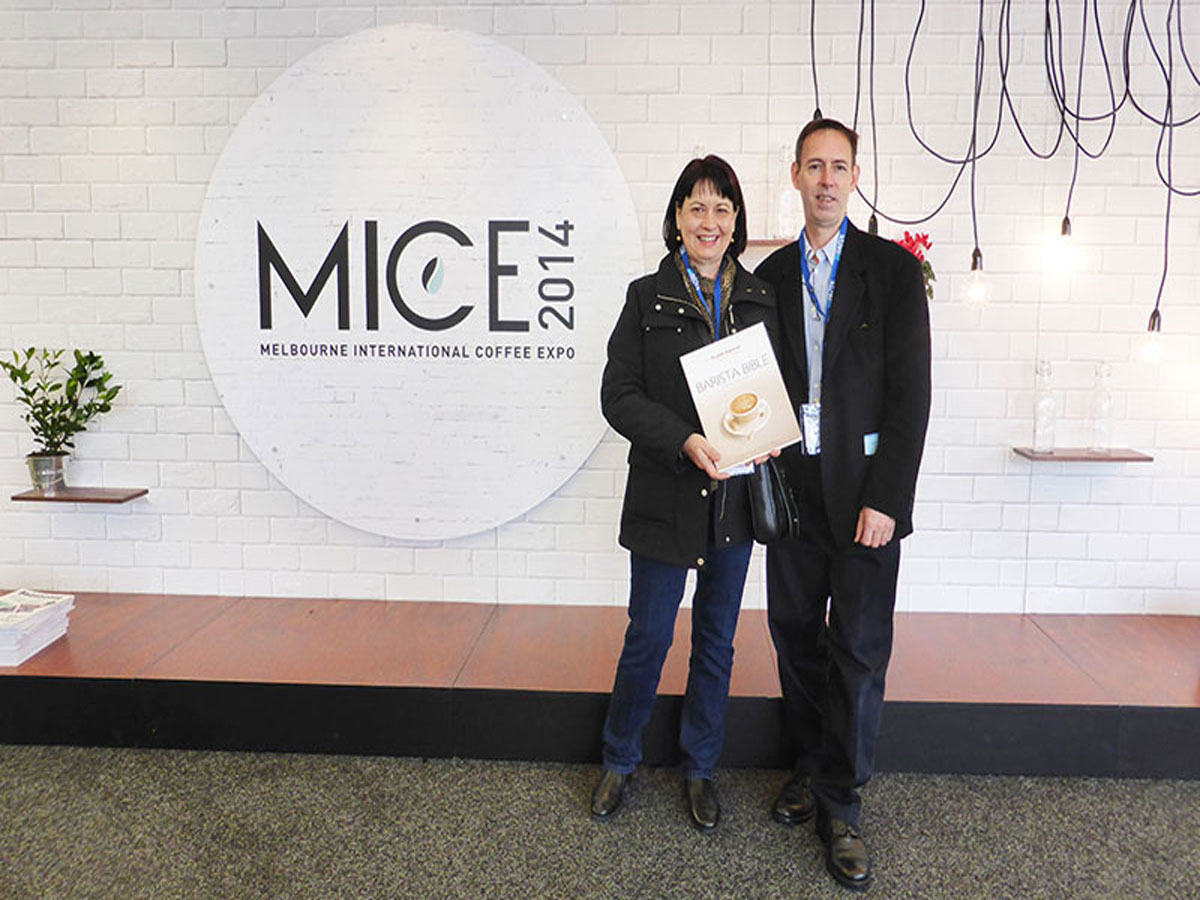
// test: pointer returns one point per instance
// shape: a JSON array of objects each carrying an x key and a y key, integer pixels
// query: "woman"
[{"x": 680, "y": 512}]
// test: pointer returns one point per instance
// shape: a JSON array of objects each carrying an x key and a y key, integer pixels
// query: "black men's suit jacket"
[{"x": 875, "y": 377}]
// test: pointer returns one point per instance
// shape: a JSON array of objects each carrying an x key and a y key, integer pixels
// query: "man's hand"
[
  {"x": 874, "y": 528},
  {"x": 704, "y": 455}
]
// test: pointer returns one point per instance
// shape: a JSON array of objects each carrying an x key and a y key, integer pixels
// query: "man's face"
[{"x": 825, "y": 178}]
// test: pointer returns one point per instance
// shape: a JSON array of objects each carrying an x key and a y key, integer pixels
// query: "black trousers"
[{"x": 830, "y": 613}]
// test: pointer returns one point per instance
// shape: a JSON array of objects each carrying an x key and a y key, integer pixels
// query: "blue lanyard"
[
  {"x": 837, "y": 258},
  {"x": 716, "y": 307}
]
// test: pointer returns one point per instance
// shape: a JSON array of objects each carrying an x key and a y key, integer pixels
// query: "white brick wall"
[{"x": 111, "y": 120}]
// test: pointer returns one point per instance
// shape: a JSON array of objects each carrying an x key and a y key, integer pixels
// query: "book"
[
  {"x": 740, "y": 397},
  {"x": 30, "y": 621}
]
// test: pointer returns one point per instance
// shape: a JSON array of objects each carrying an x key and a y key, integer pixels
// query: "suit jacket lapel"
[
  {"x": 848, "y": 298},
  {"x": 790, "y": 301}
]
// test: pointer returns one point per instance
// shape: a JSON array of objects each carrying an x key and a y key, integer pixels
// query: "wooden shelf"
[
  {"x": 1084, "y": 455},
  {"x": 83, "y": 495},
  {"x": 768, "y": 242}
]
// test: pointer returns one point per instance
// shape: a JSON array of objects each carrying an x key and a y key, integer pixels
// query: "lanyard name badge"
[
  {"x": 822, "y": 312},
  {"x": 810, "y": 413},
  {"x": 695, "y": 279}
]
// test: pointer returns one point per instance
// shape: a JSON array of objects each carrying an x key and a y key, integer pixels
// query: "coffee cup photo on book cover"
[
  {"x": 747, "y": 413},
  {"x": 740, "y": 397}
]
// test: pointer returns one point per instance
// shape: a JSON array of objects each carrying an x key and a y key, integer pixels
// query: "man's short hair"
[{"x": 829, "y": 125}]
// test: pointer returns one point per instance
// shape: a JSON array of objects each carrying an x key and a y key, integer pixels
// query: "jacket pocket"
[
  {"x": 666, "y": 336},
  {"x": 649, "y": 495},
  {"x": 670, "y": 316}
]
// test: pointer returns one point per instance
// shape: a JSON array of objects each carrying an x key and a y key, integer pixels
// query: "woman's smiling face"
[{"x": 705, "y": 220}]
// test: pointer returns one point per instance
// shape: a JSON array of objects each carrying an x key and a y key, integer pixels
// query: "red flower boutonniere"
[{"x": 917, "y": 244}]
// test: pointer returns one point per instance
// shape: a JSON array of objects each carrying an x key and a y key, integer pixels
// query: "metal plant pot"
[{"x": 48, "y": 471}]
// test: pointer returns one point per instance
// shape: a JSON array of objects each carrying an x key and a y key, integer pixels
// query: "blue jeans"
[{"x": 655, "y": 592}]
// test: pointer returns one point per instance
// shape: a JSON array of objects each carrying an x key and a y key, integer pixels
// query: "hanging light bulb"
[
  {"x": 1150, "y": 347},
  {"x": 1059, "y": 250},
  {"x": 977, "y": 290}
]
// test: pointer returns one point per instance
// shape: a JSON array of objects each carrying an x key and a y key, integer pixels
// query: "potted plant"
[{"x": 60, "y": 399}]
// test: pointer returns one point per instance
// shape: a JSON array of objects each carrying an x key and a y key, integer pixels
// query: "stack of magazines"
[{"x": 31, "y": 621}]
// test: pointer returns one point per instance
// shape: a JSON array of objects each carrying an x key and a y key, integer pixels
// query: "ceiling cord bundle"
[{"x": 1071, "y": 118}]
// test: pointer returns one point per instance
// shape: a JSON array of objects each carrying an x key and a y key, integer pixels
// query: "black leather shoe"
[
  {"x": 703, "y": 804},
  {"x": 794, "y": 803},
  {"x": 609, "y": 793},
  {"x": 846, "y": 857}
]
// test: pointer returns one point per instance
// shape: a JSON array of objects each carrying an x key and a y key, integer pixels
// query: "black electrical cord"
[
  {"x": 979, "y": 58},
  {"x": 1076, "y": 113},
  {"x": 1168, "y": 121},
  {"x": 1005, "y": 41},
  {"x": 862, "y": 11},
  {"x": 1168, "y": 112},
  {"x": 873, "y": 225},
  {"x": 1182, "y": 49},
  {"x": 961, "y": 164},
  {"x": 1071, "y": 116},
  {"x": 1168, "y": 125},
  {"x": 1071, "y": 119},
  {"x": 1114, "y": 105},
  {"x": 812, "y": 56},
  {"x": 971, "y": 152},
  {"x": 1066, "y": 223}
]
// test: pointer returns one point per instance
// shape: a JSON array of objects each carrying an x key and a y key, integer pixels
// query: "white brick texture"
[{"x": 112, "y": 117}]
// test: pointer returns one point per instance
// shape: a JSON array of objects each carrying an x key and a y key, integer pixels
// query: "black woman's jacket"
[{"x": 672, "y": 510}]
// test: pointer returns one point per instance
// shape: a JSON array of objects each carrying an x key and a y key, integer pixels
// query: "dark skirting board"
[{"x": 979, "y": 738}]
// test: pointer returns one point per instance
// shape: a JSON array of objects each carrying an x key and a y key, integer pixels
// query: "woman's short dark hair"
[{"x": 724, "y": 180}]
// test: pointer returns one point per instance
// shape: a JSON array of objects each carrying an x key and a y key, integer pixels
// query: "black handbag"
[{"x": 773, "y": 509}]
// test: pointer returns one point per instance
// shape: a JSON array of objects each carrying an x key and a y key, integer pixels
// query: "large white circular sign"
[{"x": 409, "y": 259}]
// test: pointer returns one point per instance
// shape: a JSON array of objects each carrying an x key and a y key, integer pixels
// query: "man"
[{"x": 854, "y": 348}]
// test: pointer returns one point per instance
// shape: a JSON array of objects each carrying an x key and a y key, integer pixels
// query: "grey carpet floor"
[{"x": 107, "y": 823}]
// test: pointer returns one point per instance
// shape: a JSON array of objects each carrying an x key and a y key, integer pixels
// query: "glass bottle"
[
  {"x": 1043, "y": 409},
  {"x": 1102, "y": 408},
  {"x": 786, "y": 215}
]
